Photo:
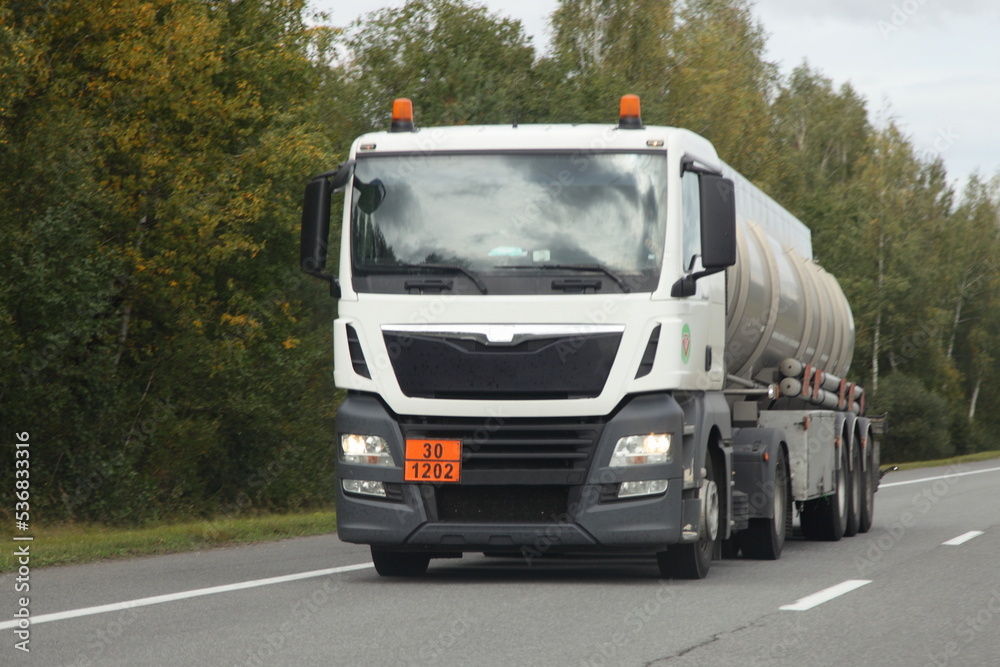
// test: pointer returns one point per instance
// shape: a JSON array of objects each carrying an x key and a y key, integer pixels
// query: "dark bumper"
[{"x": 580, "y": 517}]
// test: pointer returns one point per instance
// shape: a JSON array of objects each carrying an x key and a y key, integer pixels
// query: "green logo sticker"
[{"x": 686, "y": 344}]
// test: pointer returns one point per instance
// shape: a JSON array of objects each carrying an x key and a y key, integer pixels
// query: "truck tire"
[
  {"x": 853, "y": 518},
  {"x": 824, "y": 518},
  {"x": 399, "y": 563},
  {"x": 764, "y": 538},
  {"x": 868, "y": 478},
  {"x": 693, "y": 560}
]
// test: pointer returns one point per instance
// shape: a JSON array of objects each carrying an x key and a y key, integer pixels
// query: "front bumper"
[{"x": 566, "y": 504}]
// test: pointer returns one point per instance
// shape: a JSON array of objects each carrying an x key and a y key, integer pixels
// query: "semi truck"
[{"x": 581, "y": 339}]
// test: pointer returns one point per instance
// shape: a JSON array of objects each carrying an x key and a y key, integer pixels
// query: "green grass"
[
  {"x": 86, "y": 543},
  {"x": 968, "y": 458}
]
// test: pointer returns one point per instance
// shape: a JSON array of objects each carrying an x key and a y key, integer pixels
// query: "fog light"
[
  {"x": 636, "y": 450},
  {"x": 364, "y": 487},
  {"x": 646, "y": 487},
  {"x": 367, "y": 449}
]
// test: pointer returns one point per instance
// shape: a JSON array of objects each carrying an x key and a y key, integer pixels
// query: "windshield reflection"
[{"x": 483, "y": 212}]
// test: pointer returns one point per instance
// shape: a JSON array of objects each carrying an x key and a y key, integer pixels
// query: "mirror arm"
[
  {"x": 687, "y": 285},
  {"x": 339, "y": 176},
  {"x": 688, "y": 163},
  {"x": 333, "y": 280}
]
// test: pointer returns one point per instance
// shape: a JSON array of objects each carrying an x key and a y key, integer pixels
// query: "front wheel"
[
  {"x": 693, "y": 560},
  {"x": 764, "y": 538},
  {"x": 399, "y": 563}
]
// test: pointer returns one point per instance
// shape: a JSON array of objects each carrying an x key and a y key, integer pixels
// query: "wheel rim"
[{"x": 711, "y": 509}]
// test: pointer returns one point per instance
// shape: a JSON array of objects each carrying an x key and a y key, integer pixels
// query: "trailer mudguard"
[{"x": 755, "y": 455}]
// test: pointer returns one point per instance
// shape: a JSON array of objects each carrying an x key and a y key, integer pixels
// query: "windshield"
[{"x": 511, "y": 220}]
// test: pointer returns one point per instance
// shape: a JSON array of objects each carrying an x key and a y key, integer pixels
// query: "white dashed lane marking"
[
  {"x": 825, "y": 595},
  {"x": 963, "y": 538},
  {"x": 183, "y": 595}
]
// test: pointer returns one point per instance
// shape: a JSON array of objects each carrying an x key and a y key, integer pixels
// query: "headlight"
[
  {"x": 644, "y": 488},
  {"x": 368, "y": 449},
  {"x": 637, "y": 450},
  {"x": 364, "y": 487}
]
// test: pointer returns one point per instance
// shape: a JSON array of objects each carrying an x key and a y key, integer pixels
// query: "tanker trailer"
[
  {"x": 789, "y": 326},
  {"x": 583, "y": 339}
]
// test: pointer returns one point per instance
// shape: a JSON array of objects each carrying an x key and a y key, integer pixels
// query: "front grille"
[
  {"x": 502, "y": 504},
  {"x": 559, "y": 367},
  {"x": 531, "y": 451}
]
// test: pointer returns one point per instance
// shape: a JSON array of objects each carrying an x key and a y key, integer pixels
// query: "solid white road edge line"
[
  {"x": 183, "y": 595},
  {"x": 931, "y": 479},
  {"x": 825, "y": 595},
  {"x": 963, "y": 538}
]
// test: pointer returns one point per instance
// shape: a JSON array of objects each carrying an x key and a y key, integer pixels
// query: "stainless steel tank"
[{"x": 781, "y": 303}]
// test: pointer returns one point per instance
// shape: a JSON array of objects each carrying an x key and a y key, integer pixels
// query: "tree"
[
  {"x": 821, "y": 136},
  {"x": 163, "y": 146},
  {"x": 458, "y": 63},
  {"x": 603, "y": 49},
  {"x": 918, "y": 426},
  {"x": 720, "y": 86},
  {"x": 900, "y": 203},
  {"x": 970, "y": 250}
]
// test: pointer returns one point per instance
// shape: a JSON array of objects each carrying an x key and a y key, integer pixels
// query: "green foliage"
[
  {"x": 463, "y": 64},
  {"x": 720, "y": 86},
  {"x": 159, "y": 343},
  {"x": 603, "y": 49},
  {"x": 918, "y": 420},
  {"x": 696, "y": 65},
  {"x": 167, "y": 356}
]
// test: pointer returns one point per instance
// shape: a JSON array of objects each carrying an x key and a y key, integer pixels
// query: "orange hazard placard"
[{"x": 430, "y": 460}]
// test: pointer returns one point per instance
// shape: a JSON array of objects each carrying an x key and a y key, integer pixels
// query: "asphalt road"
[{"x": 910, "y": 599}]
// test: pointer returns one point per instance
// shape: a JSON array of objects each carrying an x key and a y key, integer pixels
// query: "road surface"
[{"x": 921, "y": 588}]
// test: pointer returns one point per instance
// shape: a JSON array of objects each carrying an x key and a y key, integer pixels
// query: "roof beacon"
[
  {"x": 628, "y": 116},
  {"x": 402, "y": 115}
]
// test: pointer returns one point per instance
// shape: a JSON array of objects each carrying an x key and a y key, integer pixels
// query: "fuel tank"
[{"x": 781, "y": 304}]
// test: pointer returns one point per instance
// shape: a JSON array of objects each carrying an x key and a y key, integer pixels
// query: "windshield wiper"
[
  {"x": 598, "y": 268},
  {"x": 446, "y": 268}
]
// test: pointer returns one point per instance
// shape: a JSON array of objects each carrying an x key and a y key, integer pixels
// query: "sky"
[{"x": 933, "y": 66}]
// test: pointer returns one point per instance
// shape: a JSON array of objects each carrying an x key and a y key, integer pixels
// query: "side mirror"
[
  {"x": 315, "y": 234},
  {"x": 315, "y": 225},
  {"x": 718, "y": 231},
  {"x": 718, "y": 222}
]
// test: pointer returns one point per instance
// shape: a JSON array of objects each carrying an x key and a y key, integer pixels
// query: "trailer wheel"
[
  {"x": 823, "y": 518},
  {"x": 764, "y": 538},
  {"x": 399, "y": 564},
  {"x": 868, "y": 478},
  {"x": 853, "y": 519},
  {"x": 693, "y": 560}
]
